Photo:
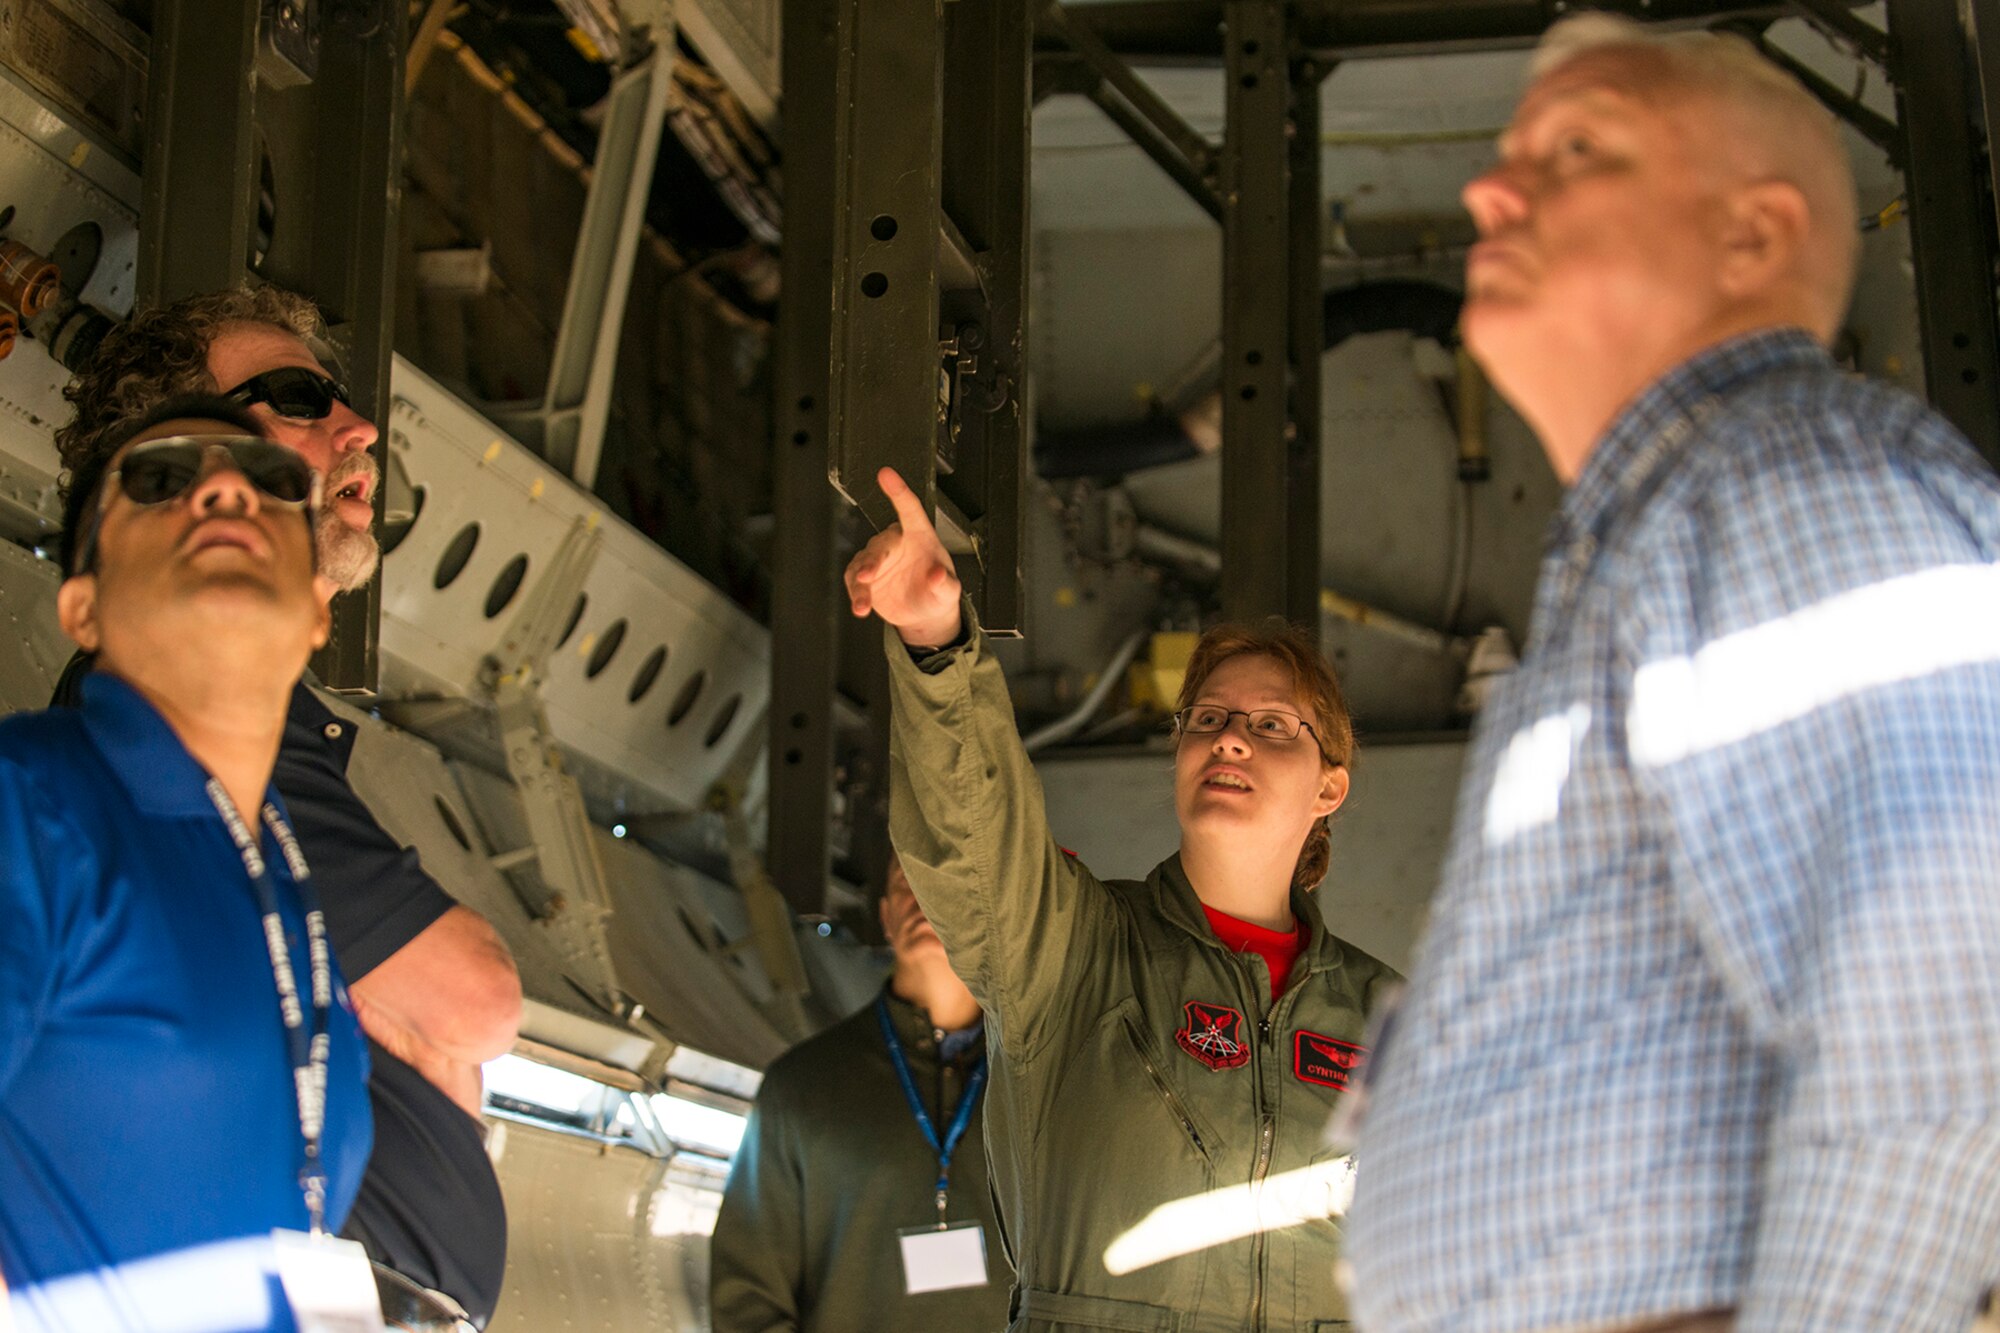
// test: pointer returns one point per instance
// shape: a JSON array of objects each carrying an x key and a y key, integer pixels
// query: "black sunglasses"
[
  {"x": 292, "y": 391},
  {"x": 160, "y": 471}
]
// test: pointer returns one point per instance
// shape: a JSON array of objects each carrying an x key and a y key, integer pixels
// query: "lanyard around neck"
[
  {"x": 310, "y": 1046},
  {"x": 960, "y": 1118}
]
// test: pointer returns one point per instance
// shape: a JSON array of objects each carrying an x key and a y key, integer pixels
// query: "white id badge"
[
  {"x": 935, "y": 1260},
  {"x": 328, "y": 1283}
]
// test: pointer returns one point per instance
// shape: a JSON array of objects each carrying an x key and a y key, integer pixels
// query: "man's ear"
[
  {"x": 322, "y": 620},
  {"x": 1332, "y": 791},
  {"x": 76, "y": 611},
  {"x": 1764, "y": 226}
]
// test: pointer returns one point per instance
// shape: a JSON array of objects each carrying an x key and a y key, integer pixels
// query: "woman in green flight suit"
[{"x": 1150, "y": 1040}]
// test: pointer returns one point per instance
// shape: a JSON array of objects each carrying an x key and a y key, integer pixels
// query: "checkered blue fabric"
[{"x": 1708, "y": 1014}]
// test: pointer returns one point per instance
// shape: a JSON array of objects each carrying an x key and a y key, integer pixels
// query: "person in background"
[
  {"x": 180, "y": 1070},
  {"x": 434, "y": 984},
  {"x": 1705, "y": 1031},
  {"x": 861, "y": 1139},
  {"x": 1151, "y": 1041}
]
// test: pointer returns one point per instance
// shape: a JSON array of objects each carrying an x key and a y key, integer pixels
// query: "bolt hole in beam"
[
  {"x": 575, "y": 618},
  {"x": 452, "y": 563},
  {"x": 806, "y": 403},
  {"x": 1248, "y": 80},
  {"x": 883, "y": 228},
  {"x": 505, "y": 585},
  {"x": 720, "y": 727},
  {"x": 606, "y": 649},
  {"x": 1247, "y": 393},
  {"x": 685, "y": 700},
  {"x": 795, "y": 757},
  {"x": 800, "y": 438},
  {"x": 649, "y": 672},
  {"x": 874, "y": 285}
]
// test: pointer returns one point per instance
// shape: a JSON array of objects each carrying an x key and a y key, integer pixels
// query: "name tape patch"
[{"x": 1327, "y": 1061}]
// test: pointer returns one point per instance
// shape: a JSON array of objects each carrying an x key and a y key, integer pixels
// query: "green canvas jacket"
[
  {"x": 831, "y": 1167},
  {"x": 1136, "y": 1059}
]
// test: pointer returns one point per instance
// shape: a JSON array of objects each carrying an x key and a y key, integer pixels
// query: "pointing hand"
[{"x": 905, "y": 575}]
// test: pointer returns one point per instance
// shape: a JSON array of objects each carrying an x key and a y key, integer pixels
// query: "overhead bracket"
[{"x": 567, "y": 426}]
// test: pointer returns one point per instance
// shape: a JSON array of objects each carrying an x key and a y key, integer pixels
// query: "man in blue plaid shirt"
[{"x": 1706, "y": 1030}]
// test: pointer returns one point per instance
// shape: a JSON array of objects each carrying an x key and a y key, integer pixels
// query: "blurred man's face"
[
  {"x": 908, "y": 930},
  {"x": 1598, "y": 229},
  {"x": 217, "y": 564},
  {"x": 335, "y": 444}
]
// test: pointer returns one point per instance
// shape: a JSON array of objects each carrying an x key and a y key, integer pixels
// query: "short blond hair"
[{"x": 1788, "y": 135}]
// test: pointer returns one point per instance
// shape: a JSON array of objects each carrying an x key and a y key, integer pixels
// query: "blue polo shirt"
[{"x": 149, "y": 1130}]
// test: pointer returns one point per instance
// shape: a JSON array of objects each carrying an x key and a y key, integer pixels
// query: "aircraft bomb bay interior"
[{"x": 1153, "y": 303}]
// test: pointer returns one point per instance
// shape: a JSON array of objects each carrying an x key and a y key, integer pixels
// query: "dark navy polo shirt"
[{"x": 149, "y": 1131}]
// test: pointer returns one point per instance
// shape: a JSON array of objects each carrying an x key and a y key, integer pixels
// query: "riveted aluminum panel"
[
  {"x": 626, "y": 1230},
  {"x": 646, "y": 739}
]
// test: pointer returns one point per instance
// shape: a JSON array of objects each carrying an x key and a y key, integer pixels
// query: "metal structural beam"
[
  {"x": 1951, "y": 221},
  {"x": 984, "y": 198},
  {"x": 568, "y": 426},
  {"x": 885, "y": 400},
  {"x": 1256, "y": 320},
  {"x": 805, "y": 585},
  {"x": 1984, "y": 18},
  {"x": 200, "y": 179},
  {"x": 1306, "y": 348},
  {"x": 345, "y": 129},
  {"x": 1130, "y": 103}
]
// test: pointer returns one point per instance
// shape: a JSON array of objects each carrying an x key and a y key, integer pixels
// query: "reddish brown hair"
[{"x": 1318, "y": 690}]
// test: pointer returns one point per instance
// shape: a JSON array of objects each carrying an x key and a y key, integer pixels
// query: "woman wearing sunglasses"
[{"x": 1154, "y": 1040}]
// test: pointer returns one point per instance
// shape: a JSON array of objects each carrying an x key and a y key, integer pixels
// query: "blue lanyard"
[
  {"x": 310, "y": 1047},
  {"x": 960, "y": 1119}
]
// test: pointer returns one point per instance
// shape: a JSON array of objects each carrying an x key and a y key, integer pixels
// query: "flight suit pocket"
[{"x": 1176, "y": 1105}]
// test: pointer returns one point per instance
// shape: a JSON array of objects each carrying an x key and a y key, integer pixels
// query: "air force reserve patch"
[
  {"x": 1214, "y": 1035},
  {"x": 1327, "y": 1061}
]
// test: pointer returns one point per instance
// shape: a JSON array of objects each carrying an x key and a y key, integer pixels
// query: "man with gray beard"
[{"x": 433, "y": 985}]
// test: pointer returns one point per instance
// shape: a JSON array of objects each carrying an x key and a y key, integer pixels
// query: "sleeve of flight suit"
[
  {"x": 1018, "y": 915},
  {"x": 757, "y": 1251}
]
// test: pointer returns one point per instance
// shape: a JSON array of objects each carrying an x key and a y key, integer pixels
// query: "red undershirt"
[{"x": 1280, "y": 948}]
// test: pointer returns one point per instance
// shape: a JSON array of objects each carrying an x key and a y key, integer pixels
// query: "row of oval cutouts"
[{"x": 507, "y": 584}]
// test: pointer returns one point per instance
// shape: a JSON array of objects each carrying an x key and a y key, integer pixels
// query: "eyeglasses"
[
  {"x": 1273, "y": 724},
  {"x": 292, "y": 391},
  {"x": 160, "y": 471}
]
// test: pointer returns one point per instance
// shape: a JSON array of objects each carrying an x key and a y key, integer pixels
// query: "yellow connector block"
[{"x": 1156, "y": 678}]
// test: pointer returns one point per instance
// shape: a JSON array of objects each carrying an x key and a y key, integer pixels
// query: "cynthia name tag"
[{"x": 944, "y": 1259}]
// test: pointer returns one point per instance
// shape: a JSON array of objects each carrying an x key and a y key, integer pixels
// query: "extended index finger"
[{"x": 910, "y": 510}]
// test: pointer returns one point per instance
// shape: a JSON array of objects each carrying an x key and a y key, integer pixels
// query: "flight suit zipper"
[
  {"x": 1267, "y": 1133},
  {"x": 1167, "y": 1094}
]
